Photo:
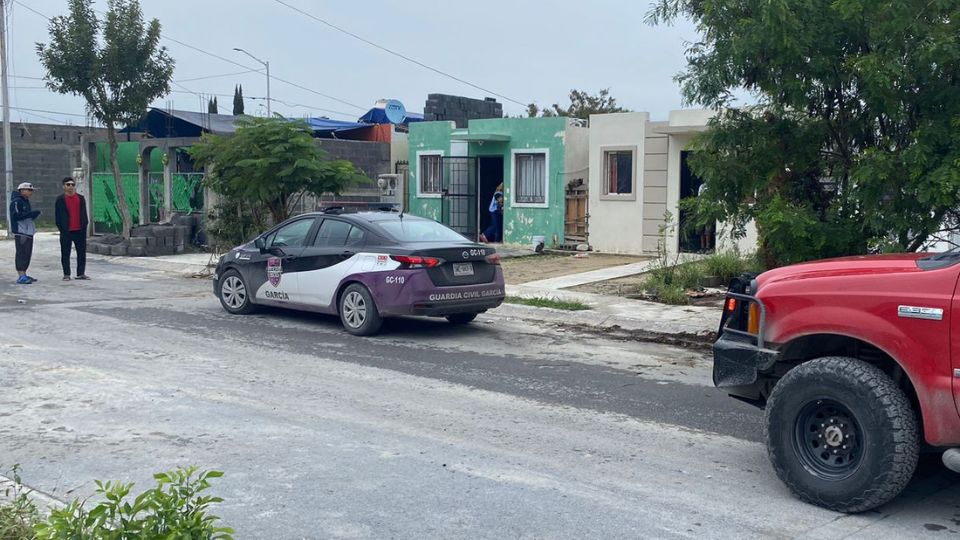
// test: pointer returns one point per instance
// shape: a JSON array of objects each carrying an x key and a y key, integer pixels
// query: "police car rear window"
[{"x": 420, "y": 231}]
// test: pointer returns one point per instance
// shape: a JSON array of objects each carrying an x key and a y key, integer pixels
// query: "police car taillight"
[
  {"x": 493, "y": 259},
  {"x": 416, "y": 261}
]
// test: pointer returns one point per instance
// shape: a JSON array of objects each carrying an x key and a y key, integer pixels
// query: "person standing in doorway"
[
  {"x": 494, "y": 233},
  {"x": 71, "y": 215},
  {"x": 22, "y": 218}
]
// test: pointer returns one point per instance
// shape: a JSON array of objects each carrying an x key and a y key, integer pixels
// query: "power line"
[
  {"x": 395, "y": 53},
  {"x": 48, "y": 112},
  {"x": 219, "y": 76},
  {"x": 224, "y": 59}
]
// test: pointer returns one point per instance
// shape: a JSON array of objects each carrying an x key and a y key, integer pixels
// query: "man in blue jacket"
[{"x": 23, "y": 229}]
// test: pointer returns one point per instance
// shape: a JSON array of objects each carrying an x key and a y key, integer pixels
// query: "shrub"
[
  {"x": 19, "y": 515},
  {"x": 175, "y": 508}
]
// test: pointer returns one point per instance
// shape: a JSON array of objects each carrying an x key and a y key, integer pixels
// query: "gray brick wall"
[
  {"x": 460, "y": 109},
  {"x": 42, "y": 155}
]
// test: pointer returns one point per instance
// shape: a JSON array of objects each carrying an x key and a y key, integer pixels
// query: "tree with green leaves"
[
  {"x": 271, "y": 163},
  {"x": 212, "y": 106},
  {"x": 238, "y": 100},
  {"x": 116, "y": 64},
  {"x": 582, "y": 105},
  {"x": 854, "y": 141}
]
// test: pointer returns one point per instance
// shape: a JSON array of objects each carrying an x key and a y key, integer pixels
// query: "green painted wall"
[
  {"x": 126, "y": 158},
  {"x": 521, "y": 224},
  {"x": 426, "y": 137}
]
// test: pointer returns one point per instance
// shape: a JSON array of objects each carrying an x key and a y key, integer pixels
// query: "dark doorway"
[
  {"x": 698, "y": 239},
  {"x": 491, "y": 176}
]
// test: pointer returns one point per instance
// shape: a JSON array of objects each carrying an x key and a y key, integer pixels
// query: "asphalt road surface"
[{"x": 507, "y": 428}]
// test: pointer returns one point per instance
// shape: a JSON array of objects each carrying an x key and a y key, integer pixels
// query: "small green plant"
[
  {"x": 175, "y": 508},
  {"x": 18, "y": 515},
  {"x": 568, "y": 305},
  {"x": 730, "y": 264}
]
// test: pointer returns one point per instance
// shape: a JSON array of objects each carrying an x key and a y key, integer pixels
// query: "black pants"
[
  {"x": 24, "y": 245},
  {"x": 78, "y": 239}
]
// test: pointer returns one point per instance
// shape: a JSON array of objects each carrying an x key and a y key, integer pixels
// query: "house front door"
[{"x": 459, "y": 196}]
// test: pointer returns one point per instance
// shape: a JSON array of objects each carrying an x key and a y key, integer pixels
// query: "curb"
[
  {"x": 43, "y": 501},
  {"x": 614, "y": 326},
  {"x": 150, "y": 263}
]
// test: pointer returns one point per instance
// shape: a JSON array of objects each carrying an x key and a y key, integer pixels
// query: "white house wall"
[{"x": 616, "y": 223}]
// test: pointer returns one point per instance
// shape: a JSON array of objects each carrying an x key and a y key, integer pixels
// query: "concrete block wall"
[
  {"x": 370, "y": 158},
  {"x": 460, "y": 109},
  {"x": 42, "y": 155}
]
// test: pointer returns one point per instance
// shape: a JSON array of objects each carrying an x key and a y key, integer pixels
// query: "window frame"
[
  {"x": 514, "y": 181},
  {"x": 307, "y": 239},
  {"x": 605, "y": 179},
  {"x": 429, "y": 194},
  {"x": 320, "y": 227}
]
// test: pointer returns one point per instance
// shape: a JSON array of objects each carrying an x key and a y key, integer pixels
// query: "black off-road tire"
[
  {"x": 461, "y": 318},
  {"x": 239, "y": 299},
  {"x": 811, "y": 402},
  {"x": 358, "y": 312}
]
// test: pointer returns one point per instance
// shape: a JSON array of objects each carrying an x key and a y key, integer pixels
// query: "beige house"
[{"x": 638, "y": 174}]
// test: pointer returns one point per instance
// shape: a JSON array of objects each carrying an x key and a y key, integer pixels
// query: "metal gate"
[{"x": 459, "y": 200}]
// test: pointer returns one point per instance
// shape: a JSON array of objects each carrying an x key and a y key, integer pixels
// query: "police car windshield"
[{"x": 420, "y": 231}]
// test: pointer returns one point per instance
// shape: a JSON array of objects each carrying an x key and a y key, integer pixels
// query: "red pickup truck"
[{"x": 856, "y": 362}]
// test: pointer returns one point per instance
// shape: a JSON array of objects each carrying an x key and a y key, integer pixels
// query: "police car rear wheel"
[
  {"x": 461, "y": 318},
  {"x": 234, "y": 296},
  {"x": 358, "y": 312}
]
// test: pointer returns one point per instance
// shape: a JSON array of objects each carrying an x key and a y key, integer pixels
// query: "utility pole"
[
  {"x": 7, "y": 143},
  {"x": 265, "y": 65}
]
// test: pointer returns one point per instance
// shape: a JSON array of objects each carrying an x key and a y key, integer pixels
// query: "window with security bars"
[
  {"x": 430, "y": 174},
  {"x": 618, "y": 169},
  {"x": 530, "y": 184}
]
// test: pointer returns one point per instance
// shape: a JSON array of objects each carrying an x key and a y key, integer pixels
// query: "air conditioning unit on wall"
[{"x": 391, "y": 189}]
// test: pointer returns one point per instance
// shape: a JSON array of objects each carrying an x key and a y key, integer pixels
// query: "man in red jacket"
[{"x": 71, "y": 216}]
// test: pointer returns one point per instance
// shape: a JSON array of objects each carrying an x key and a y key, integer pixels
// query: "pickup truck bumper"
[{"x": 737, "y": 365}]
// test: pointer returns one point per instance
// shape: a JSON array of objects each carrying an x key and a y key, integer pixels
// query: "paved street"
[{"x": 508, "y": 428}]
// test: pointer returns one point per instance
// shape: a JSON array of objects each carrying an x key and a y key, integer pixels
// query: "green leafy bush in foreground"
[{"x": 174, "y": 509}]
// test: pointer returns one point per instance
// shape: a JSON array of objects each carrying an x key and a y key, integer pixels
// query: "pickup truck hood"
[{"x": 900, "y": 263}]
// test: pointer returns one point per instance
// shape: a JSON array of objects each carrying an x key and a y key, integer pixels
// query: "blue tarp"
[
  {"x": 377, "y": 115},
  {"x": 327, "y": 126}
]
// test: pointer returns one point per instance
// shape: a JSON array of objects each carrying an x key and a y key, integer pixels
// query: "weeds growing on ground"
[
  {"x": 18, "y": 514},
  {"x": 568, "y": 305}
]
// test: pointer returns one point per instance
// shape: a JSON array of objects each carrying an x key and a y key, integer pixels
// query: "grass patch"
[{"x": 568, "y": 305}]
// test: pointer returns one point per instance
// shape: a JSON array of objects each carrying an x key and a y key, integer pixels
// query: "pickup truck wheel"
[{"x": 841, "y": 434}]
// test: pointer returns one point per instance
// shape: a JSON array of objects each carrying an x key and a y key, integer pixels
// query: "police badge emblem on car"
[{"x": 274, "y": 270}]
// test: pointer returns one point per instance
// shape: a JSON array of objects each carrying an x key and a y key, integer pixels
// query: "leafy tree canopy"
[
  {"x": 115, "y": 64},
  {"x": 271, "y": 162},
  {"x": 855, "y": 138},
  {"x": 582, "y": 105}
]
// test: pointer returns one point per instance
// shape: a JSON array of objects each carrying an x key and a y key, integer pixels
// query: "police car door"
[
  {"x": 330, "y": 259},
  {"x": 280, "y": 263}
]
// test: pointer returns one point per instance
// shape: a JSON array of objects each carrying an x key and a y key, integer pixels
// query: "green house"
[{"x": 454, "y": 174}]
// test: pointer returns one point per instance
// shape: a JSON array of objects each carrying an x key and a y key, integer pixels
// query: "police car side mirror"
[{"x": 261, "y": 244}]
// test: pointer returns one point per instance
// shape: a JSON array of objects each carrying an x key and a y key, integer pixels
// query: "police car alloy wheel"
[
  {"x": 358, "y": 312},
  {"x": 234, "y": 295}
]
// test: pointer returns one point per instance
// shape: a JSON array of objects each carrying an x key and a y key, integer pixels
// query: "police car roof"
[{"x": 371, "y": 216}]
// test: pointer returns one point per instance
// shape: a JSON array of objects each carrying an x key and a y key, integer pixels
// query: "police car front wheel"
[
  {"x": 234, "y": 295},
  {"x": 358, "y": 312}
]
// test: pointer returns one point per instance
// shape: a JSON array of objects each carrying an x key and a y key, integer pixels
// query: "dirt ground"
[{"x": 519, "y": 270}]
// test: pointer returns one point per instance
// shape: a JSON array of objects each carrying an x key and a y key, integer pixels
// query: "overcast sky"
[{"x": 523, "y": 50}]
